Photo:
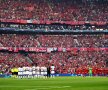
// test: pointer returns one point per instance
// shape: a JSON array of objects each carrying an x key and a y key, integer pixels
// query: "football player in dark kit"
[{"x": 48, "y": 71}]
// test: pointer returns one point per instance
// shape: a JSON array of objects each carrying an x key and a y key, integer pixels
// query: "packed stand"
[
  {"x": 68, "y": 62},
  {"x": 62, "y": 10},
  {"x": 10, "y": 60},
  {"x": 64, "y": 62},
  {"x": 13, "y": 40}
]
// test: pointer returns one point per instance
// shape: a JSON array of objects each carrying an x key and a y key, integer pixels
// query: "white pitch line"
[
  {"x": 35, "y": 87},
  {"x": 32, "y": 86},
  {"x": 49, "y": 88}
]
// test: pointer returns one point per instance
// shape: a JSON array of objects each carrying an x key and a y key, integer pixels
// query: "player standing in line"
[
  {"x": 42, "y": 71},
  {"x": 45, "y": 71},
  {"x": 16, "y": 72},
  {"x": 12, "y": 71},
  {"x": 30, "y": 72},
  {"x": 19, "y": 72},
  {"x": 38, "y": 71},
  {"x": 48, "y": 71},
  {"x": 90, "y": 71},
  {"x": 52, "y": 70},
  {"x": 24, "y": 71},
  {"x": 34, "y": 71}
]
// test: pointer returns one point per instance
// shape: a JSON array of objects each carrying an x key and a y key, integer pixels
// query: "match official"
[{"x": 48, "y": 71}]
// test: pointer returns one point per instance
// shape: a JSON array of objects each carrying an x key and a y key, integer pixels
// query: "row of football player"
[{"x": 33, "y": 71}]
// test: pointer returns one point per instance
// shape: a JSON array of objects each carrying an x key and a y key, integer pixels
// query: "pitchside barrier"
[
  {"x": 5, "y": 75},
  {"x": 57, "y": 75}
]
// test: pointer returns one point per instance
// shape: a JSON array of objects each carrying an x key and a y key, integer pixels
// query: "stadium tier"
[
  {"x": 54, "y": 10},
  {"x": 65, "y": 15},
  {"x": 66, "y": 41},
  {"x": 71, "y": 35},
  {"x": 68, "y": 53}
]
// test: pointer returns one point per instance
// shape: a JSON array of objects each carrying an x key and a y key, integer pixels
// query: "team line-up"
[{"x": 34, "y": 71}]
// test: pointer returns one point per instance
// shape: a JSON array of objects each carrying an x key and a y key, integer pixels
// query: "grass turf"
[{"x": 57, "y": 83}]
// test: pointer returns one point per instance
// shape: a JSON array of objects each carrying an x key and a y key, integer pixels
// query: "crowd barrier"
[
  {"x": 56, "y": 75},
  {"x": 51, "y": 22},
  {"x": 51, "y": 49}
]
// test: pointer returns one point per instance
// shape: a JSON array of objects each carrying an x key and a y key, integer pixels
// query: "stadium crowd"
[
  {"x": 49, "y": 10},
  {"x": 62, "y": 10},
  {"x": 69, "y": 62},
  {"x": 66, "y": 41},
  {"x": 55, "y": 10},
  {"x": 10, "y": 60},
  {"x": 64, "y": 62}
]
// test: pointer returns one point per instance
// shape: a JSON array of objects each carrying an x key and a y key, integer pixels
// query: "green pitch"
[{"x": 57, "y": 83}]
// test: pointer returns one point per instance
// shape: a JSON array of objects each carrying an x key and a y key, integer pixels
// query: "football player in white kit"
[
  {"x": 30, "y": 72},
  {"x": 34, "y": 71},
  {"x": 52, "y": 70},
  {"x": 42, "y": 72},
  {"x": 38, "y": 71},
  {"x": 20, "y": 72},
  {"x": 27, "y": 71},
  {"x": 24, "y": 72},
  {"x": 45, "y": 71}
]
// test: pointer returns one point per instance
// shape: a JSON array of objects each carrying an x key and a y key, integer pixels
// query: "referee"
[{"x": 48, "y": 72}]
